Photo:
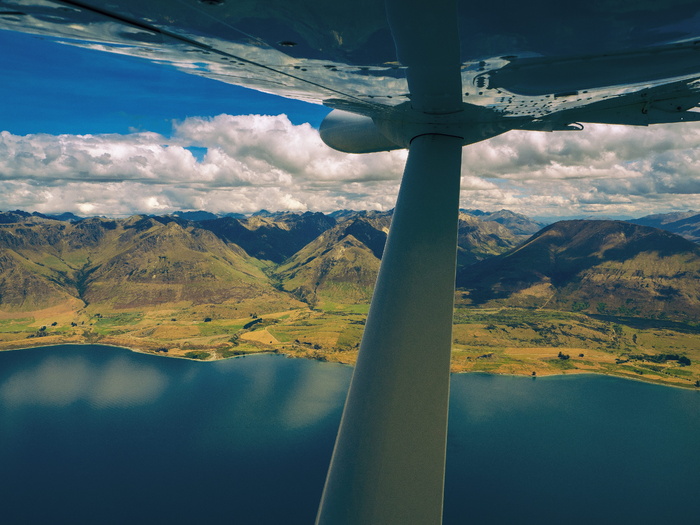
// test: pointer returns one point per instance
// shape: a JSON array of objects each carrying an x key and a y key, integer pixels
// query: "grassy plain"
[
  {"x": 533, "y": 342},
  {"x": 545, "y": 342}
]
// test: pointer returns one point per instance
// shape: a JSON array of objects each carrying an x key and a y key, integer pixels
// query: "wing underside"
[{"x": 343, "y": 56}]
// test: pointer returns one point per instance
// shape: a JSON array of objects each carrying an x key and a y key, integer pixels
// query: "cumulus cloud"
[
  {"x": 612, "y": 170},
  {"x": 249, "y": 162}
]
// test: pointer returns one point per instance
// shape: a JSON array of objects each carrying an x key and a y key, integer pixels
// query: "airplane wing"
[{"x": 536, "y": 67}]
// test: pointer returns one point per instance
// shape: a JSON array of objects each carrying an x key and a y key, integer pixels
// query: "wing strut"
[
  {"x": 389, "y": 460},
  {"x": 388, "y": 465}
]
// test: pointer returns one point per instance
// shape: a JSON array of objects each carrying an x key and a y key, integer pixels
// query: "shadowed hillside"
[
  {"x": 594, "y": 266},
  {"x": 271, "y": 237}
]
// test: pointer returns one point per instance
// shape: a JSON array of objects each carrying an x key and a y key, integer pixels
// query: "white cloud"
[
  {"x": 612, "y": 170},
  {"x": 253, "y": 162}
]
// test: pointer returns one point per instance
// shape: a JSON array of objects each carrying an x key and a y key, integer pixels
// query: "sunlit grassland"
[
  {"x": 498, "y": 340},
  {"x": 107, "y": 323},
  {"x": 220, "y": 327},
  {"x": 329, "y": 306},
  {"x": 543, "y": 342},
  {"x": 22, "y": 324}
]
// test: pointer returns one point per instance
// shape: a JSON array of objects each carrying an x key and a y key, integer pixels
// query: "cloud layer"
[{"x": 250, "y": 162}]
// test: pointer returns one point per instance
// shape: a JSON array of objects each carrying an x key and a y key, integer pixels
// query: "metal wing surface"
[{"x": 524, "y": 65}]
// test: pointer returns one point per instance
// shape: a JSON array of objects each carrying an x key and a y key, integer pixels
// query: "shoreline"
[
  {"x": 503, "y": 341},
  {"x": 291, "y": 355}
]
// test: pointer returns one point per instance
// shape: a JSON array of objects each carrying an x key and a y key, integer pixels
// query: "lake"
[{"x": 92, "y": 434}]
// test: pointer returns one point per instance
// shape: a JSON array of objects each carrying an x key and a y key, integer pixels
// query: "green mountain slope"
[
  {"x": 339, "y": 266},
  {"x": 26, "y": 285},
  {"x": 33, "y": 273},
  {"x": 153, "y": 263}
]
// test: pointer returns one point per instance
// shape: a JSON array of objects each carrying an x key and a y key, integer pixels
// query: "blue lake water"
[{"x": 93, "y": 434}]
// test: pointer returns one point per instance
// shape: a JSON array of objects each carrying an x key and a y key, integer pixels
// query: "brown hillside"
[
  {"x": 158, "y": 263},
  {"x": 137, "y": 262}
]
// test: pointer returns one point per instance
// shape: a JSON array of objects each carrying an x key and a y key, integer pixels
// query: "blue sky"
[{"x": 95, "y": 133}]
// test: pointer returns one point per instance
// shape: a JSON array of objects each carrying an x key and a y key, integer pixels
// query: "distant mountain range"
[
  {"x": 151, "y": 260},
  {"x": 517, "y": 223},
  {"x": 685, "y": 224},
  {"x": 604, "y": 267}
]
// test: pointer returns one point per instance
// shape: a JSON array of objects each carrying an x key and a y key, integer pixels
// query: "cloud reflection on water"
[
  {"x": 317, "y": 394},
  {"x": 62, "y": 381},
  {"x": 265, "y": 402}
]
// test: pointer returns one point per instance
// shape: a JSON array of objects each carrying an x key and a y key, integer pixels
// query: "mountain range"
[
  {"x": 121, "y": 264},
  {"x": 589, "y": 266}
]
